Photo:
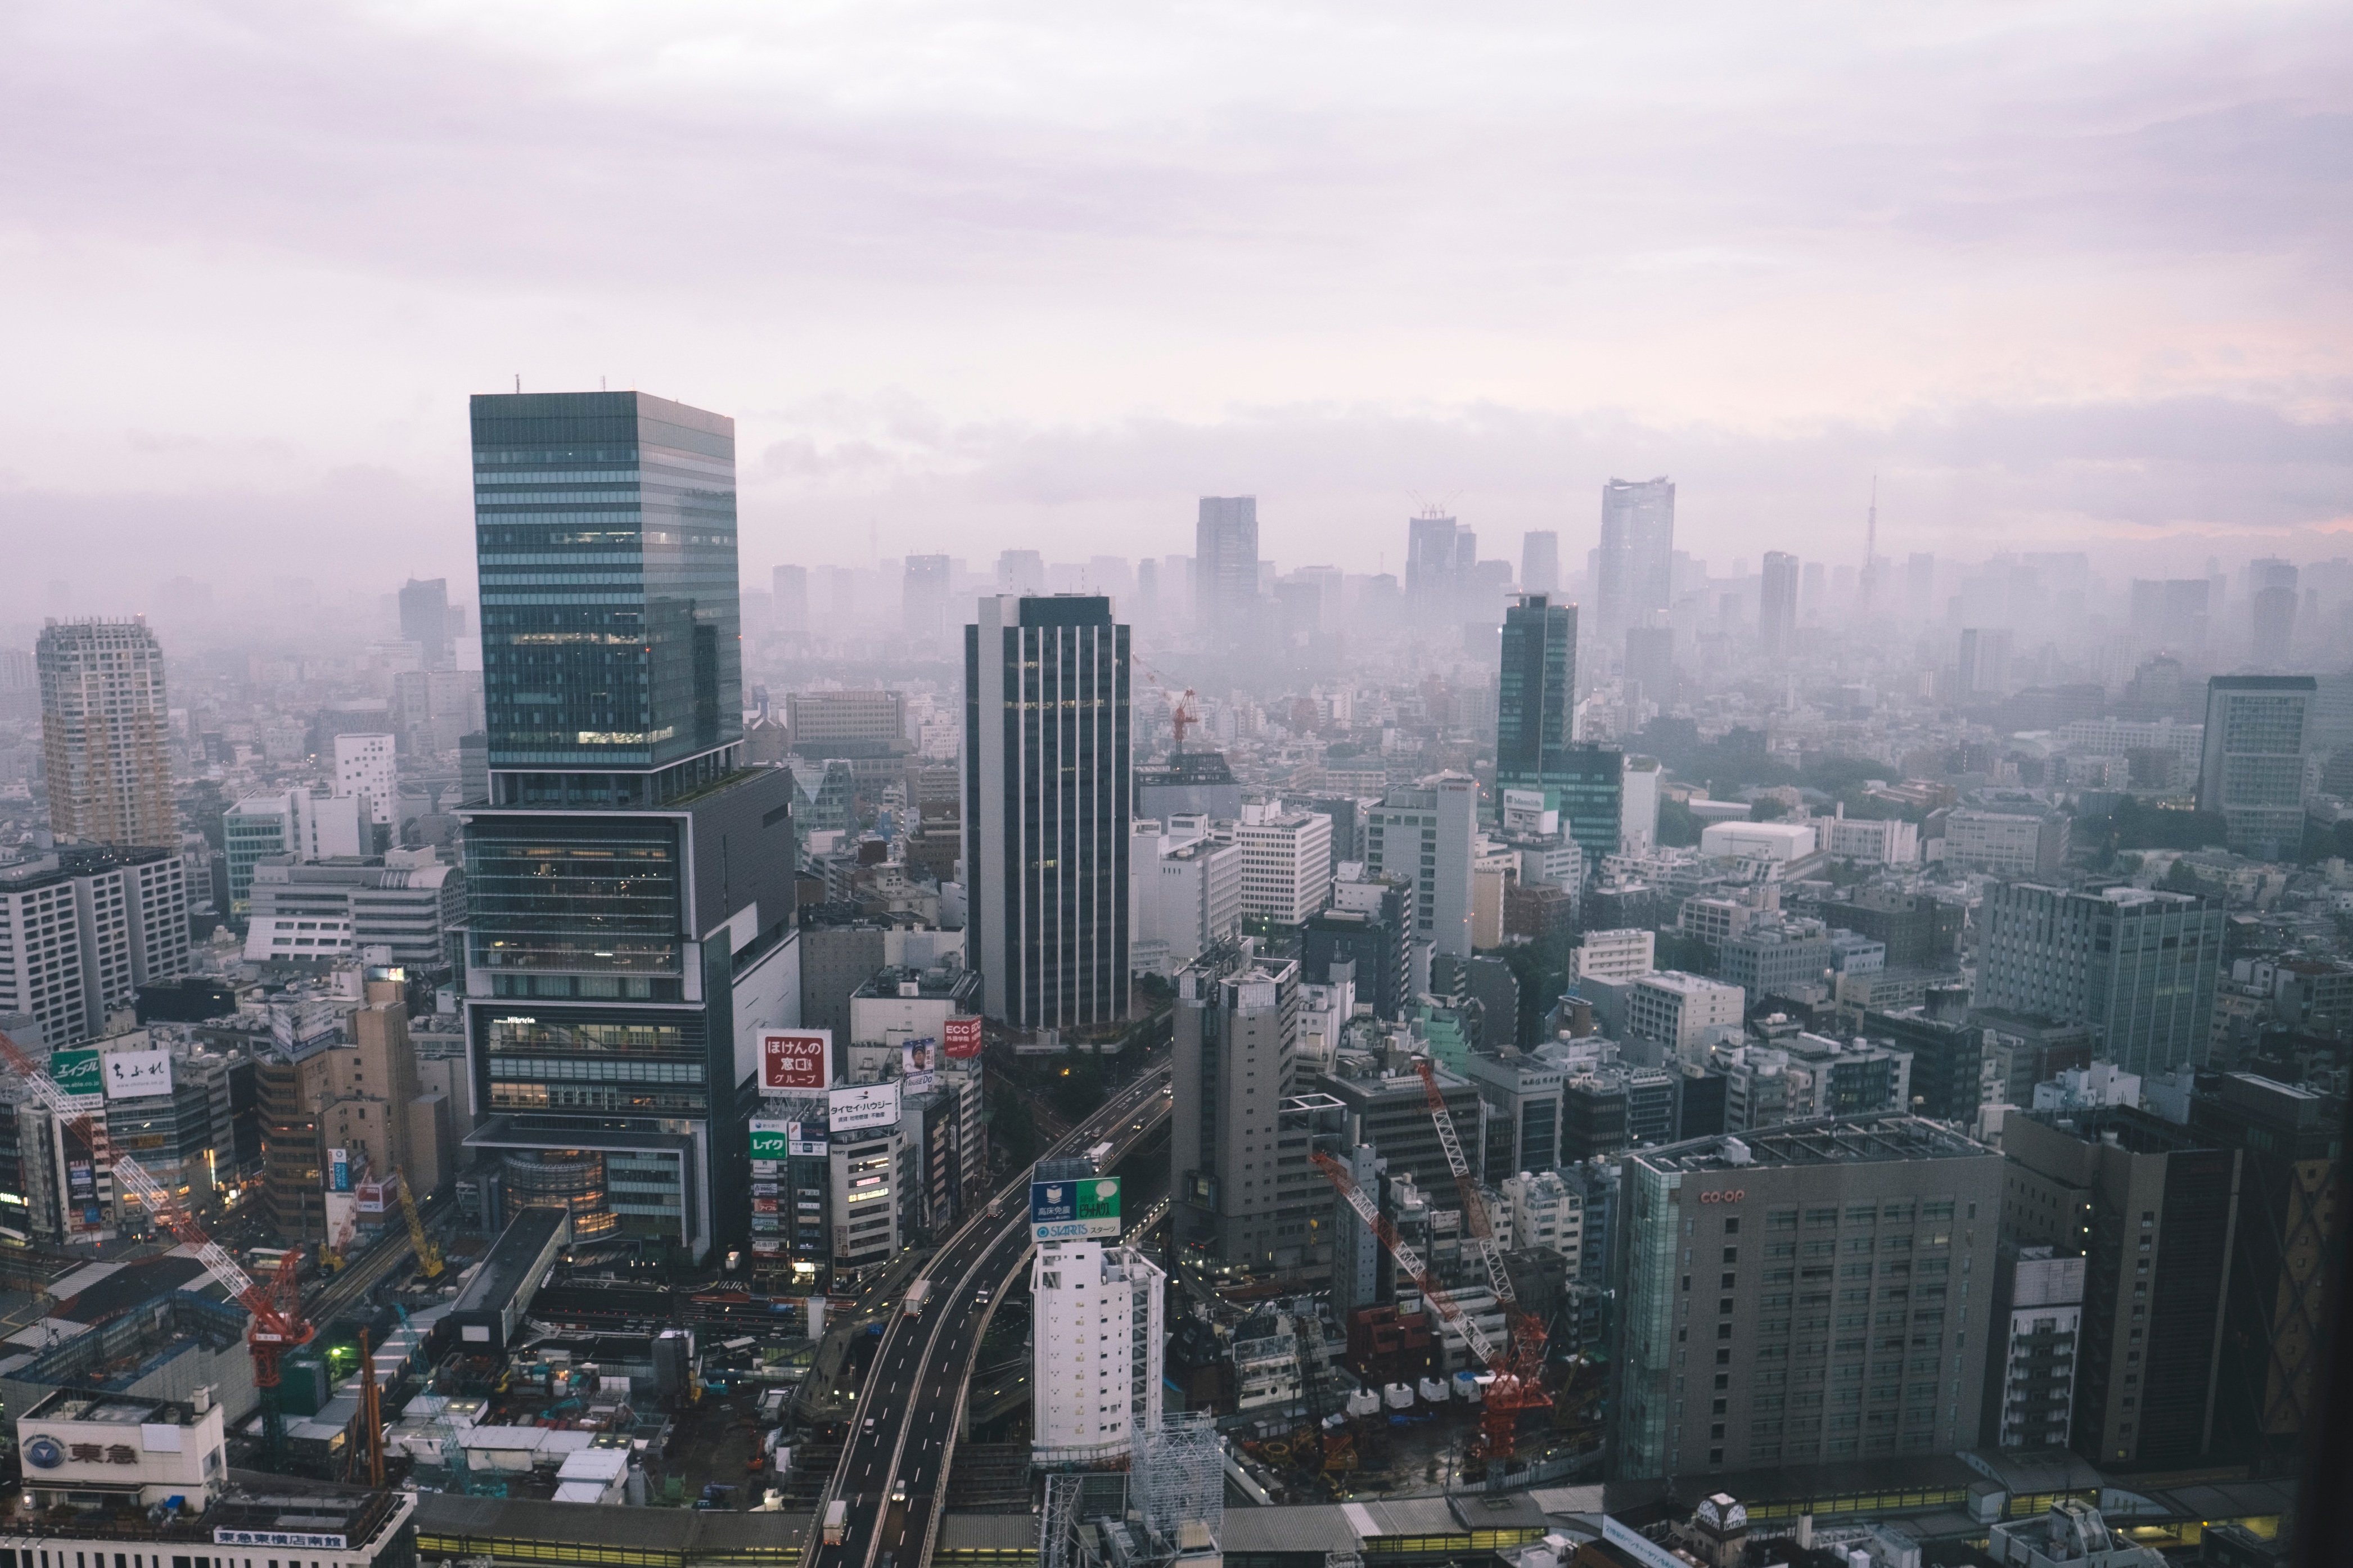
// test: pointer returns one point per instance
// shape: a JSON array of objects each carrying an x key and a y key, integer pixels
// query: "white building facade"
[
  {"x": 1286, "y": 862},
  {"x": 365, "y": 766},
  {"x": 1097, "y": 1349}
]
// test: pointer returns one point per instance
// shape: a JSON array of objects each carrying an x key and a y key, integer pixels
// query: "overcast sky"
[{"x": 972, "y": 275}]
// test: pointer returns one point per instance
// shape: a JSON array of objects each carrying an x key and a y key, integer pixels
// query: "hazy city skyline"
[{"x": 997, "y": 279}]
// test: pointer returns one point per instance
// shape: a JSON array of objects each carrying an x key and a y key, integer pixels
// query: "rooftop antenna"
[{"x": 518, "y": 380}]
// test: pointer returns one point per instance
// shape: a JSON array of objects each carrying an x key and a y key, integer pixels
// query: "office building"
[
  {"x": 2252, "y": 761},
  {"x": 1188, "y": 897},
  {"x": 1365, "y": 945},
  {"x": 1801, "y": 1296},
  {"x": 1676, "y": 1010},
  {"x": 1919, "y": 929},
  {"x": 865, "y": 728},
  {"x": 1777, "y": 958},
  {"x": 367, "y": 766},
  {"x": 923, "y": 599},
  {"x": 629, "y": 883},
  {"x": 2270, "y": 606},
  {"x": 2149, "y": 1207},
  {"x": 424, "y": 620},
  {"x": 1189, "y": 783},
  {"x": 2031, "y": 1398},
  {"x": 1871, "y": 841},
  {"x": 1982, "y": 666},
  {"x": 788, "y": 597},
  {"x": 1650, "y": 666},
  {"x": 1535, "y": 693},
  {"x": 1424, "y": 837},
  {"x": 1286, "y": 862},
  {"x": 1624, "y": 953},
  {"x": 1441, "y": 560},
  {"x": 1589, "y": 790},
  {"x": 1540, "y": 562},
  {"x": 1020, "y": 573},
  {"x": 2006, "y": 842},
  {"x": 1096, "y": 1351},
  {"x": 297, "y": 823},
  {"x": 1522, "y": 1094},
  {"x": 1392, "y": 1109},
  {"x": 104, "y": 720},
  {"x": 2277, "y": 1313},
  {"x": 1237, "y": 1041},
  {"x": 1634, "y": 568},
  {"x": 1778, "y": 842},
  {"x": 1638, "y": 805},
  {"x": 81, "y": 928},
  {"x": 1949, "y": 1064},
  {"x": 1777, "y": 605},
  {"x": 1048, "y": 803},
  {"x": 1225, "y": 562},
  {"x": 412, "y": 904},
  {"x": 1546, "y": 1211},
  {"x": 2140, "y": 966}
]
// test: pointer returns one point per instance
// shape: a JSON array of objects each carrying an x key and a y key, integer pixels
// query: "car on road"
[
  {"x": 870, "y": 1424},
  {"x": 980, "y": 1297},
  {"x": 897, "y": 1491}
]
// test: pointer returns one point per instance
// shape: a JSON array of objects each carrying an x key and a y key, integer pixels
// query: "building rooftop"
[
  {"x": 1853, "y": 1140},
  {"x": 253, "y": 1501}
]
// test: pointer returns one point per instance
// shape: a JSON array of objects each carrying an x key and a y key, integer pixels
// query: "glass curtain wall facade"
[
  {"x": 1634, "y": 568},
  {"x": 604, "y": 526},
  {"x": 1534, "y": 692},
  {"x": 1049, "y": 792},
  {"x": 629, "y": 884}
]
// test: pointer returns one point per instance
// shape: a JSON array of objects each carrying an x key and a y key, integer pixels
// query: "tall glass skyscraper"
[
  {"x": 630, "y": 899},
  {"x": 1048, "y": 795},
  {"x": 1634, "y": 567},
  {"x": 612, "y": 659},
  {"x": 1535, "y": 689}
]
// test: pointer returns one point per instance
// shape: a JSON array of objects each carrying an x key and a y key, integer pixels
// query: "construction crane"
[
  {"x": 275, "y": 1303},
  {"x": 1183, "y": 711},
  {"x": 1517, "y": 1385},
  {"x": 1474, "y": 1208},
  {"x": 428, "y": 1255}
]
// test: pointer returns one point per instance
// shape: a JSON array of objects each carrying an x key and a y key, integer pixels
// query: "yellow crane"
[{"x": 428, "y": 1256}]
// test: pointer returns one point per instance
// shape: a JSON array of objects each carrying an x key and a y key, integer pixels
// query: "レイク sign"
[{"x": 796, "y": 1058}]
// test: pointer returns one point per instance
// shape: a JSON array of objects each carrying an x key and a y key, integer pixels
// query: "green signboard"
[
  {"x": 77, "y": 1072},
  {"x": 769, "y": 1140}
]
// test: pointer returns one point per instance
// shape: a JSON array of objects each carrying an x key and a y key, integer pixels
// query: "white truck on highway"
[
  {"x": 917, "y": 1293},
  {"x": 837, "y": 1522},
  {"x": 1099, "y": 1153}
]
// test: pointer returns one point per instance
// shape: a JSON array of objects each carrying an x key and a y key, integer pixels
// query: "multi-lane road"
[{"x": 894, "y": 1465}]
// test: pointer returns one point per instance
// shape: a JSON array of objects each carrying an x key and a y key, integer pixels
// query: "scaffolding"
[
  {"x": 1170, "y": 1508},
  {"x": 1180, "y": 1479}
]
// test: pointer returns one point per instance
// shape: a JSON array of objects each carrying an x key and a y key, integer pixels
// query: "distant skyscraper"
[
  {"x": 2252, "y": 771},
  {"x": 103, "y": 721},
  {"x": 790, "y": 596},
  {"x": 924, "y": 598},
  {"x": 425, "y": 619},
  {"x": 1225, "y": 561},
  {"x": 2271, "y": 586},
  {"x": 1540, "y": 562},
  {"x": 629, "y": 883},
  {"x": 1920, "y": 586},
  {"x": 1047, "y": 796},
  {"x": 1650, "y": 663},
  {"x": 1020, "y": 572},
  {"x": 1636, "y": 561},
  {"x": 1536, "y": 692},
  {"x": 1424, "y": 835},
  {"x": 1776, "y": 604},
  {"x": 1440, "y": 555}
]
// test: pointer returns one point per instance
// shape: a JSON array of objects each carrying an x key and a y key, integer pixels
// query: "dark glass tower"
[
  {"x": 605, "y": 527},
  {"x": 630, "y": 899},
  {"x": 1048, "y": 795},
  {"x": 1534, "y": 692}
]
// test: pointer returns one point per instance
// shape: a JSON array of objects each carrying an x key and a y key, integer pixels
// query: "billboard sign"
[
  {"x": 1071, "y": 1210},
  {"x": 918, "y": 1064},
  {"x": 375, "y": 1195},
  {"x": 805, "y": 1141},
  {"x": 768, "y": 1136},
  {"x": 962, "y": 1038},
  {"x": 868, "y": 1105},
  {"x": 77, "y": 1072},
  {"x": 131, "y": 1074},
  {"x": 796, "y": 1058},
  {"x": 339, "y": 1170}
]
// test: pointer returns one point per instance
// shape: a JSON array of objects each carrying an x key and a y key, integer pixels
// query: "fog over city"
[
  {"x": 1031, "y": 277},
  {"x": 1030, "y": 785}
]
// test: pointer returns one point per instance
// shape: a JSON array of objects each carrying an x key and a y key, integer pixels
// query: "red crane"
[
  {"x": 275, "y": 1302},
  {"x": 1518, "y": 1385}
]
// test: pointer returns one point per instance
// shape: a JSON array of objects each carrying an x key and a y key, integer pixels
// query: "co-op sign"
[{"x": 1066, "y": 1211}]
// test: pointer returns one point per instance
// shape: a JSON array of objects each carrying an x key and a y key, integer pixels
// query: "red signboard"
[
  {"x": 963, "y": 1038},
  {"x": 794, "y": 1059}
]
